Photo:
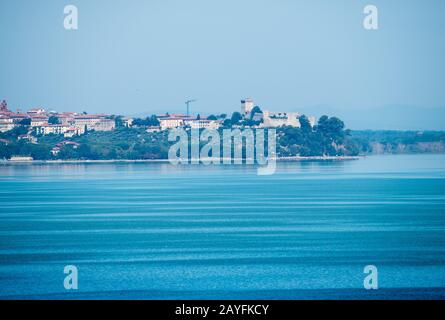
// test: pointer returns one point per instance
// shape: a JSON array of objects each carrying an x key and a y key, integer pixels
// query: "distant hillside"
[{"x": 397, "y": 142}]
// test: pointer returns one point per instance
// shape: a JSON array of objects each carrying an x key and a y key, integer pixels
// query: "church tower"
[{"x": 4, "y": 106}]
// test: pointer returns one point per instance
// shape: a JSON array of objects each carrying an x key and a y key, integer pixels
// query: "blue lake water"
[{"x": 158, "y": 231}]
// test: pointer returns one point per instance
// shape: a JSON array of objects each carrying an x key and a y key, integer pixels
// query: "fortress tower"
[
  {"x": 246, "y": 106},
  {"x": 4, "y": 106}
]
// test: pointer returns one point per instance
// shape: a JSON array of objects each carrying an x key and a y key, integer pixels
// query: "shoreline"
[{"x": 282, "y": 159}]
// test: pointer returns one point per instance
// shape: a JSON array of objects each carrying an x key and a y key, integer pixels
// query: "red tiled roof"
[
  {"x": 19, "y": 115},
  {"x": 52, "y": 125},
  {"x": 90, "y": 116}
]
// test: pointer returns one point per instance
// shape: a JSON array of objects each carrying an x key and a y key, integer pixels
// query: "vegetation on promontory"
[{"x": 327, "y": 138}]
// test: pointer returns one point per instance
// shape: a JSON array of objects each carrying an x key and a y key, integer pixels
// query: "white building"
[
  {"x": 278, "y": 119},
  {"x": 312, "y": 120},
  {"x": 203, "y": 124},
  {"x": 37, "y": 112},
  {"x": 6, "y": 123},
  {"x": 52, "y": 129},
  {"x": 39, "y": 121},
  {"x": 28, "y": 137},
  {"x": 170, "y": 123},
  {"x": 105, "y": 125},
  {"x": 66, "y": 118},
  {"x": 74, "y": 131},
  {"x": 67, "y": 131},
  {"x": 94, "y": 122},
  {"x": 128, "y": 122},
  {"x": 18, "y": 117},
  {"x": 88, "y": 121}
]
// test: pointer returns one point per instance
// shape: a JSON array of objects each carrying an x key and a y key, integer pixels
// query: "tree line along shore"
[{"x": 328, "y": 139}]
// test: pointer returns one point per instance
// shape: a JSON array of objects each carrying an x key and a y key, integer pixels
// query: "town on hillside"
[
  {"x": 43, "y": 122},
  {"x": 40, "y": 134}
]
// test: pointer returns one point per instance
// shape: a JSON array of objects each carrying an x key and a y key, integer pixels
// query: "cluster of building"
[
  {"x": 9, "y": 119},
  {"x": 180, "y": 120},
  {"x": 67, "y": 123},
  {"x": 265, "y": 119},
  {"x": 271, "y": 119}
]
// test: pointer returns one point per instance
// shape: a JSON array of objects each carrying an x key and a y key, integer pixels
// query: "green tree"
[
  {"x": 148, "y": 121},
  {"x": 154, "y": 120},
  {"x": 305, "y": 124},
  {"x": 119, "y": 122},
  {"x": 236, "y": 118},
  {"x": 140, "y": 122},
  {"x": 25, "y": 122},
  {"x": 212, "y": 117},
  {"x": 332, "y": 133},
  {"x": 84, "y": 151},
  {"x": 256, "y": 109},
  {"x": 227, "y": 123},
  {"x": 53, "y": 120}
]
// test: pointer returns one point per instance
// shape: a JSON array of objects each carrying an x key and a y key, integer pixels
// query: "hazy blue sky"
[{"x": 147, "y": 56}]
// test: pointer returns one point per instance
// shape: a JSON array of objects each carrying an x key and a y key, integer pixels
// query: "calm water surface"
[{"x": 157, "y": 231}]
